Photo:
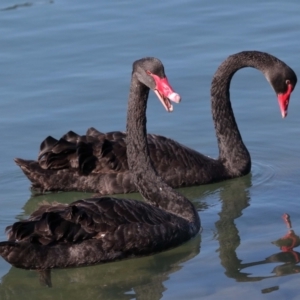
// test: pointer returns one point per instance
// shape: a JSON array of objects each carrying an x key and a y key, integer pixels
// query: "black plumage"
[
  {"x": 97, "y": 162},
  {"x": 99, "y": 230}
]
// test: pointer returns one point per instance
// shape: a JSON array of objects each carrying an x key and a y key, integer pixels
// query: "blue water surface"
[{"x": 66, "y": 65}]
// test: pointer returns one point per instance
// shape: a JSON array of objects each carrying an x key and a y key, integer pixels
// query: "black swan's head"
[
  {"x": 283, "y": 80},
  {"x": 150, "y": 71}
]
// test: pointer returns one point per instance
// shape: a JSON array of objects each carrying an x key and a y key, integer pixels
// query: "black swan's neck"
[
  {"x": 233, "y": 153},
  {"x": 150, "y": 185}
]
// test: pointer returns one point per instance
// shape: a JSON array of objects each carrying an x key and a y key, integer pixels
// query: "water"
[{"x": 66, "y": 65}]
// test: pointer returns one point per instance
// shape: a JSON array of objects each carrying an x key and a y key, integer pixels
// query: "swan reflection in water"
[
  {"x": 229, "y": 239},
  {"x": 287, "y": 256}
]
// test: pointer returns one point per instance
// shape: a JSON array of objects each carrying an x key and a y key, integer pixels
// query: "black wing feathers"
[{"x": 87, "y": 219}]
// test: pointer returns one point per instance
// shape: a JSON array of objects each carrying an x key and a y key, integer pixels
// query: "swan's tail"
[
  {"x": 10, "y": 251},
  {"x": 24, "y": 255},
  {"x": 44, "y": 180},
  {"x": 34, "y": 173}
]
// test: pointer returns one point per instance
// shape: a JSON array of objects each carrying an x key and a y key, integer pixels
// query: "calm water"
[{"x": 66, "y": 65}]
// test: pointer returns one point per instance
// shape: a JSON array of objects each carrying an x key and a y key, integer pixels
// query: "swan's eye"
[
  {"x": 148, "y": 72},
  {"x": 287, "y": 82}
]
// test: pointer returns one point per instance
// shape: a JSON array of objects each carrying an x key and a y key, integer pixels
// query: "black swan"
[
  {"x": 97, "y": 161},
  {"x": 100, "y": 230}
]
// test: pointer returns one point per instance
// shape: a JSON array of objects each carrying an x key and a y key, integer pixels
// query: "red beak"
[{"x": 284, "y": 100}]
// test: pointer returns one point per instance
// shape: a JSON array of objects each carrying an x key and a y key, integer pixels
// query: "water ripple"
[
  {"x": 262, "y": 173},
  {"x": 16, "y": 6}
]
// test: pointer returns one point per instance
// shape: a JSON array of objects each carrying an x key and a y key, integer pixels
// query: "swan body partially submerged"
[
  {"x": 99, "y": 230},
  {"x": 97, "y": 162}
]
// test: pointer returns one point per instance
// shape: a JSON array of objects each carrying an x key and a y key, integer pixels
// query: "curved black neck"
[
  {"x": 232, "y": 151},
  {"x": 149, "y": 184}
]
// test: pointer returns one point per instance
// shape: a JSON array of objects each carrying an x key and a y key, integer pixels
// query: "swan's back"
[
  {"x": 97, "y": 162},
  {"x": 91, "y": 231}
]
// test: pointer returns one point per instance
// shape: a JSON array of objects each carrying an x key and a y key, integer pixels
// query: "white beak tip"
[{"x": 174, "y": 97}]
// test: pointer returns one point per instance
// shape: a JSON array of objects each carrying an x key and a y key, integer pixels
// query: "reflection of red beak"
[{"x": 284, "y": 100}]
